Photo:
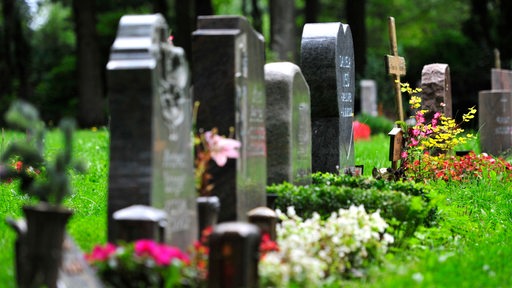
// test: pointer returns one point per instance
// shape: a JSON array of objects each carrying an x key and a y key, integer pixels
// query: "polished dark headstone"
[
  {"x": 151, "y": 159},
  {"x": 228, "y": 78},
  {"x": 327, "y": 62},
  {"x": 495, "y": 122},
  {"x": 288, "y": 121}
]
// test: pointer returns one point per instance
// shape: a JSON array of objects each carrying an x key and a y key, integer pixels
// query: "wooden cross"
[{"x": 395, "y": 65}]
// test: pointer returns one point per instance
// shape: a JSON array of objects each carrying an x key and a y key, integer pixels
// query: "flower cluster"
[
  {"x": 440, "y": 133},
  {"x": 210, "y": 146},
  {"x": 143, "y": 263},
  {"x": 459, "y": 168},
  {"x": 314, "y": 251}
]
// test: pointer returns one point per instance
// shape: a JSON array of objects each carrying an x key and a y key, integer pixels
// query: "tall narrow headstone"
[
  {"x": 288, "y": 122},
  {"x": 151, "y": 159},
  {"x": 495, "y": 121},
  {"x": 228, "y": 78},
  {"x": 436, "y": 89},
  {"x": 327, "y": 61},
  {"x": 369, "y": 97}
]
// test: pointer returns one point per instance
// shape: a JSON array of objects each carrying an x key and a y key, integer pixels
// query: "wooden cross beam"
[{"x": 395, "y": 65}]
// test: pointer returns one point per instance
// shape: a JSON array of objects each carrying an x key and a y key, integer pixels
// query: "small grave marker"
[
  {"x": 288, "y": 123},
  {"x": 233, "y": 258},
  {"x": 395, "y": 146},
  {"x": 395, "y": 66}
]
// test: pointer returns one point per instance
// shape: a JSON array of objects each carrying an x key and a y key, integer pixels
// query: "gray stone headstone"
[
  {"x": 228, "y": 78},
  {"x": 501, "y": 79},
  {"x": 436, "y": 94},
  {"x": 327, "y": 62},
  {"x": 288, "y": 121},
  {"x": 369, "y": 97},
  {"x": 495, "y": 121},
  {"x": 151, "y": 158}
]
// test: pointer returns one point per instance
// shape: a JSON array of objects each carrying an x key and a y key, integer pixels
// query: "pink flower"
[
  {"x": 404, "y": 154},
  {"x": 161, "y": 253},
  {"x": 414, "y": 142},
  {"x": 437, "y": 115},
  {"x": 221, "y": 148},
  {"x": 101, "y": 253},
  {"x": 146, "y": 247},
  {"x": 420, "y": 118}
]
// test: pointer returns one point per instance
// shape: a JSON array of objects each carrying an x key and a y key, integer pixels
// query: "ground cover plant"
[{"x": 467, "y": 246}]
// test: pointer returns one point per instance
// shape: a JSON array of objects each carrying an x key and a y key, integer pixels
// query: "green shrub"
[
  {"x": 405, "y": 206},
  {"x": 378, "y": 124}
]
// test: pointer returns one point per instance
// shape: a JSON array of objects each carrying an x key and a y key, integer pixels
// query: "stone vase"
[{"x": 39, "y": 245}]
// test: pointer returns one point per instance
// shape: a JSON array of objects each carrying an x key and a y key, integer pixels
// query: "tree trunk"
[
  {"x": 185, "y": 24},
  {"x": 504, "y": 24},
  {"x": 356, "y": 15},
  {"x": 203, "y": 7},
  {"x": 282, "y": 29},
  {"x": 90, "y": 89},
  {"x": 17, "y": 49},
  {"x": 311, "y": 13},
  {"x": 256, "y": 16}
]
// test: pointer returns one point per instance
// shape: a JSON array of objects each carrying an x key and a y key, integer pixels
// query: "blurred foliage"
[{"x": 461, "y": 33}]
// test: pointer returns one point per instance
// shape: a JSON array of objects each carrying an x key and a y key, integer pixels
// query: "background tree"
[{"x": 92, "y": 110}]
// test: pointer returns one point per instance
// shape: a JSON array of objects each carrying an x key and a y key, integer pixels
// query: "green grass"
[
  {"x": 469, "y": 247},
  {"x": 89, "y": 200}
]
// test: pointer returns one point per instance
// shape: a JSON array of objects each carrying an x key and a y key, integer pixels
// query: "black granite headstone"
[
  {"x": 327, "y": 62},
  {"x": 228, "y": 78},
  {"x": 151, "y": 159},
  {"x": 288, "y": 122}
]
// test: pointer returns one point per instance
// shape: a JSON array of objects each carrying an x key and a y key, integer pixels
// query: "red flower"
[
  {"x": 101, "y": 253},
  {"x": 361, "y": 131}
]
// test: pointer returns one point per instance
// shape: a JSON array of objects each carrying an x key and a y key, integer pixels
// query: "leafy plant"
[
  {"x": 378, "y": 124},
  {"x": 405, "y": 206},
  {"x": 51, "y": 184},
  {"x": 313, "y": 252}
]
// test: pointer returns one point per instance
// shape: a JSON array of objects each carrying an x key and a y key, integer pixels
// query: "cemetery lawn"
[{"x": 469, "y": 247}]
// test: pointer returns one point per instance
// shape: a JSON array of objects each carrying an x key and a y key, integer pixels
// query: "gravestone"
[
  {"x": 234, "y": 255},
  {"x": 327, "y": 62},
  {"x": 288, "y": 122},
  {"x": 436, "y": 94},
  {"x": 495, "y": 121},
  {"x": 369, "y": 97},
  {"x": 151, "y": 159},
  {"x": 228, "y": 77},
  {"x": 501, "y": 79}
]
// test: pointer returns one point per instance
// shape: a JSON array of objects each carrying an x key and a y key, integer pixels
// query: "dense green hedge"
[
  {"x": 378, "y": 124},
  {"x": 404, "y": 205}
]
